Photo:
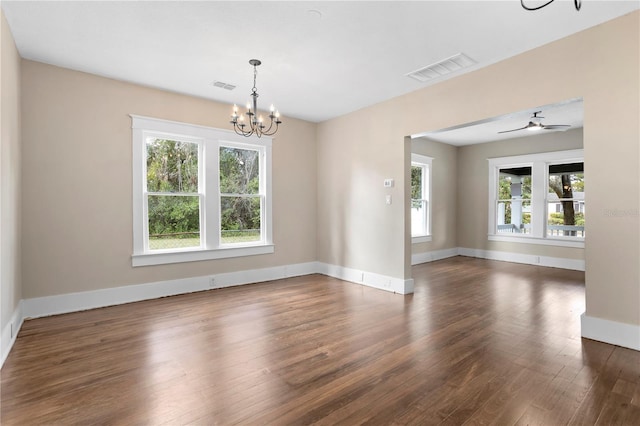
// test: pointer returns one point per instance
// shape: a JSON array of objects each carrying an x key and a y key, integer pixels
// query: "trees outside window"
[
  {"x": 538, "y": 198},
  {"x": 173, "y": 200},
  {"x": 566, "y": 209},
  {"x": 199, "y": 193}
]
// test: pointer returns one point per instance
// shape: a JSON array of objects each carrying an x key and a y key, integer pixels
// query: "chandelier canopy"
[{"x": 254, "y": 124}]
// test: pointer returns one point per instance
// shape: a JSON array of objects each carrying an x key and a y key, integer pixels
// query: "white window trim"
[
  {"x": 419, "y": 159},
  {"x": 539, "y": 164},
  {"x": 209, "y": 140}
]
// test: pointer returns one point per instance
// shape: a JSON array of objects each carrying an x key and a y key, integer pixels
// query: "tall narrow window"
[
  {"x": 172, "y": 194},
  {"x": 514, "y": 200},
  {"x": 565, "y": 200},
  {"x": 240, "y": 196},
  {"x": 420, "y": 195}
]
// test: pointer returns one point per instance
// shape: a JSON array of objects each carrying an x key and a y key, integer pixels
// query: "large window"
[
  {"x": 538, "y": 198},
  {"x": 198, "y": 193},
  {"x": 420, "y": 195}
]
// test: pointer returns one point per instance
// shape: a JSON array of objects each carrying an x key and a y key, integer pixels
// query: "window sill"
[
  {"x": 564, "y": 242},
  {"x": 421, "y": 239},
  {"x": 147, "y": 259}
]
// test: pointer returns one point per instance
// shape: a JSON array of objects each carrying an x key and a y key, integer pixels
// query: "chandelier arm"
[
  {"x": 537, "y": 7},
  {"x": 274, "y": 130},
  {"x": 576, "y": 3},
  {"x": 270, "y": 126},
  {"x": 240, "y": 130}
]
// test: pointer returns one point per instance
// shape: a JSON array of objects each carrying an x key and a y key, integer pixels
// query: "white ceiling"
[
  {"x": 320, "y": 59},
  {"x": 569, "y": 112}
]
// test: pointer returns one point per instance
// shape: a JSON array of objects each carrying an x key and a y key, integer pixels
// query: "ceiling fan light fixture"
[{"x": 535, "y": 124}]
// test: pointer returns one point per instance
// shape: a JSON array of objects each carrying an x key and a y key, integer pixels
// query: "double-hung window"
[
  {"x": 538, "y": 198},
  {"x": 420, "y": 196},
  {"x": 199, "y": 193}
]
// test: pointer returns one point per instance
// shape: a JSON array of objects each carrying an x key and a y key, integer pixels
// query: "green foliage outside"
[
  {"x": 172, "y": 168},
  {"x": 416, "y": 187},
  {"x": 558, "y": 219},
  {"x": 240, "y": 186},
  {"x": 174, "y": 212},
  {"x": 555, "y": 186},
  {"x": 227, "y": 238},
  {"x": 576, "y": 179},
  {"x": 504, "y": 193}
]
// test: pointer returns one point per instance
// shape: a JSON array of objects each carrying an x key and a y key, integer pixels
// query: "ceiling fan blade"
[
  {"x": 554, "y": 126},
  {"x": 515, "y": 130}
]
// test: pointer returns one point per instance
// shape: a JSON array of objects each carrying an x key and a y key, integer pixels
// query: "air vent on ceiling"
[
  {"x": 442, "y": 68},
  {"x": 223, "y": 85}
]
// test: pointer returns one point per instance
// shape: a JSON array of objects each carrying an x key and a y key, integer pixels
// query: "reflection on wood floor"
[{"x": 479, "y": 342}]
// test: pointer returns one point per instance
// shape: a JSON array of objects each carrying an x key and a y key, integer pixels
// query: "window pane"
[
  {"x": 567, "y": 180},
  {"x": 172, "y": 166},
  {"x": 418, "y": 217},
  {"x": 240, "y": 219},
  {"x": 416, "y": 182},
  {"x": 513, "y": 212},
  {"x": 566, "y": 218},
  {"x": 174, "y": 221},
  {"x": 515, "y": 183},
  {"x": 239, "y": 171},
  {"x": 566, "y": 200},
  {"x": 514, "y": 217}
]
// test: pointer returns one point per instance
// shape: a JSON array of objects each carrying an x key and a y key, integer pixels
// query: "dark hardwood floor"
[{"x": 480, "y": 342}]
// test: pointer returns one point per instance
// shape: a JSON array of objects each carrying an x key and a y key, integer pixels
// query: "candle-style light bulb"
[
  {"x": 277, "y": 114},
  {"x": 260, "y": 119},
  {"x": 248, "y": 106},
  {"x": 272, "y": 108}
]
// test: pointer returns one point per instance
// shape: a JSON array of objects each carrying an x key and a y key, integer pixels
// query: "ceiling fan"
[{"x": 536, "y": 124}]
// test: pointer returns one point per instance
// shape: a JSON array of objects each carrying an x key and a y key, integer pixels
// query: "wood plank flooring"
[{"x": 479, "y": 342}]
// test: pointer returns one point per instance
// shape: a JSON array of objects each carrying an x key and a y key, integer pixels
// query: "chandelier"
[{"x": 254, "y": 124}]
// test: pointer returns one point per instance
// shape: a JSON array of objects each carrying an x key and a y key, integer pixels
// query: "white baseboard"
[
  {"x": 370, "y": 279},
  {"x": 615, "y": 333},
  {"x": 431, "y": 256},
  {"x": 74, "y": 302},
  {"x": 10, "y": 332},
  {"x": 552, "y": 262}
]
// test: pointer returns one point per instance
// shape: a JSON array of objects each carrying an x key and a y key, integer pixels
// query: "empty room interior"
[{"x": 381, "y": 212}]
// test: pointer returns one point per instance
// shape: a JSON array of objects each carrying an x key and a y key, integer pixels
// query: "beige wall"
[
  {"x": 77, "y": 182},
  {"x": 10, "y": 187},
  {"x": 601, "y": 65},
  {"x": 444, "y": 190},
  {"x": 356, "y": 228},
  {"x": 473, "y": 192}
]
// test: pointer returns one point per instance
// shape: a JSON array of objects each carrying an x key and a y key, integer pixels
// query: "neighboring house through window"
[
  {"x": 538, "y": 198},
  {"x": 198, "y": 193},
  {"x": 420, "y": 197}
]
